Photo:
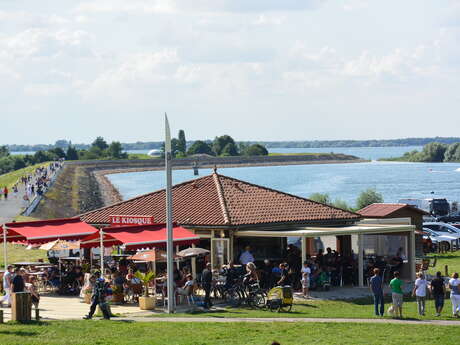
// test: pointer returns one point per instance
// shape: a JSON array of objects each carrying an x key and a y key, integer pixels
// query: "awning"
[
  {"x": 143, "y": 236},
  {"x": 44, "y": 231}
]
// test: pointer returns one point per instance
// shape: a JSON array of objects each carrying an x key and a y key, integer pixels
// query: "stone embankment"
[{"x": 83, "y": 186}]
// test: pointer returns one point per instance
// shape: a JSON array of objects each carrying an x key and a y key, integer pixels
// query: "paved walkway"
[
  {"x": 71, "y": 308},
  {"x": 12, "y": 206}
]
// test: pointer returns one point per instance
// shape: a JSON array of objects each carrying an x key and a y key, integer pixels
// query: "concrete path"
[{"x": 12, "y": 206}]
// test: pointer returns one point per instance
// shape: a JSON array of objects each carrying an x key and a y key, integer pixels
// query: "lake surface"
[{"x": 394, "y": 180}]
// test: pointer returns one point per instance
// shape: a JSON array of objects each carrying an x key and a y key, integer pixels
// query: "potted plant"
[{"x": 146, "y": 302}]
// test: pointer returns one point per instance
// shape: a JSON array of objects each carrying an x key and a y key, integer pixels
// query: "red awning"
[
  {"x": 43, "y": 231},
  {"x": 143, "y": 236}
]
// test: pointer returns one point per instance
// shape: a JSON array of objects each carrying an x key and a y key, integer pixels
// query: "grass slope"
[
  {"x": 452, "y": 260},
  {"x": 11, "y": 178},
  {"x": 18, "y": 253},
  {"x": 116, "y": 332}
]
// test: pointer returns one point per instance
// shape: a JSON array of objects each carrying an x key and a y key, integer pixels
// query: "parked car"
[
  {"x": 444, "y": 229},
  {"x": 446, "y": 241}
]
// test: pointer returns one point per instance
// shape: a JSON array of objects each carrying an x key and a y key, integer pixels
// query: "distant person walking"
[
  {"x": 5, "y": 192},
  {"x": 438, "y": 291},
  {"x": 376, "y": 286},
  {"x": 206, "y": 282},
  {"x": 419, "y": 291},
  {"x": 396, "y": 285},
  {"x": 454, "y": 285}
]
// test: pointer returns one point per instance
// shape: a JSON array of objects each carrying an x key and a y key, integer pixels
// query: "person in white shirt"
[
  {"x": 246, "y": 256},
  {"x": 306, "y": 272},
  {"x": 454, "y": 285},
  {"x": 7, "y": 281},
  {"x": 419, "y": 292}
]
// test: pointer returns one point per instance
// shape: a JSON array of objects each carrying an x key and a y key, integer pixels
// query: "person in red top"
[{"x": 5, "y": 192}]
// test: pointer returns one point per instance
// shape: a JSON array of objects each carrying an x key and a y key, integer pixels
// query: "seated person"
[
  {"x": 231, "y": 273},
  {"x": 251, "y": 276},
  {"x": 187, "y": 289},
  {"x": 396, "y": 263}
]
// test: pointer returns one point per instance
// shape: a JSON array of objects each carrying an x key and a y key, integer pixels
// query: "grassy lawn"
[
  {"x": 354, "y": 309},
  {"x": 116, "y": 332},
  {"x": 11, "y": 178},
  {"x": 18, "y": 253},
  {"x": 139, "y": 156},
  {"x": 452, "y": 260}
]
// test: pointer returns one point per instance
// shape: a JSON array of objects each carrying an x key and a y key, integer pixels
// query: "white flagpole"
[
  {"x": 169, "y": 223},
  {"x": 5, "y": 253}
]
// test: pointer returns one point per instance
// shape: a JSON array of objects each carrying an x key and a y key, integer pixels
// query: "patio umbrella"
[
  {"x": 150, "y": 255},
  {"x": 60, "y": 245},
  {"x": 192, "y": 252}
]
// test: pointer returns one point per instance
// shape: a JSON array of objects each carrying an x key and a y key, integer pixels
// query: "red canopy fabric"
[
  {"x": 44, "y": 231},
  {"x": 143, "y": 236}
]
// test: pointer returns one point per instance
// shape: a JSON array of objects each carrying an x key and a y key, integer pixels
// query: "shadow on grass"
[{"x": 19, "y": 333}]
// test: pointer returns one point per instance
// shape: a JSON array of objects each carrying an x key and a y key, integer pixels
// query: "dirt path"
[
  {"x": 224, "y": 320},
  {"x": 12, "y": 206}
]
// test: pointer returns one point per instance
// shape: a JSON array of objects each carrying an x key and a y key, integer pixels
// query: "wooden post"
[
  {"x": 21, "y": 306},
  {"x": 37, "y": 314},
  {"x": 446, "y": 270},
  {"x": 1, "y": 316}
]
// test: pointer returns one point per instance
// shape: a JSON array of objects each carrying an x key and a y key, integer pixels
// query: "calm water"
[{"x": 345, "y": 181}]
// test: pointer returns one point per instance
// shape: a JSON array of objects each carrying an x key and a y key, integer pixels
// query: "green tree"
[
  {"x": 44, "y": 156},
  {"x": 62, "y": 143},
  {"x": 181, "y": 143},
  {"x": 4, "y": 151},
  {"x": 100, "y": 143},
  {"x": 229, "y": 150},
  {"x": 368, "y": 197},
  {"x": 221, "y": 142},
  {"x": 452, "y": 153},
  {"x": 255, "y": 150},
  {"x": 339, "y": 203},
  {"x": 72, "y": 153},
  {"x": 433, "y": 152},
  {"x": 58, "y": 152},
  {"x": 200, "y": 147},
  {"x": 322, "y": 198},
  {"x": 115, "y": 150}
]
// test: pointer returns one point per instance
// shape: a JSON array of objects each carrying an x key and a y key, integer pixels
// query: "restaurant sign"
[{"x": 118, "y": 220}]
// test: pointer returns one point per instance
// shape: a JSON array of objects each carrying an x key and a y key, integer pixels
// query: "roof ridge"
[
  {"x": 222, "y": 201},
  {"x": 288, "y": 194}
]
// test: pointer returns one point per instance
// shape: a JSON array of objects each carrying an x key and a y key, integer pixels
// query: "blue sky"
[{"x": 257, "y": 69}]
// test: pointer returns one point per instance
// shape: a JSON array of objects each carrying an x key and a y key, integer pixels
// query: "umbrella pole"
[
  {"x": 5, "y": 249},
  {"x": 101, "y": 246}
]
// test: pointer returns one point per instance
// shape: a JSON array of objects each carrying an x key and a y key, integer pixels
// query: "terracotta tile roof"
[
  {"x": 379, "y": 210},
  {"x": 218, "y": 200}
]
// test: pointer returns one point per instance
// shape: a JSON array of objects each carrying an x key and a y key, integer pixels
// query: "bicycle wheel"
[
  {"x": 259, "y": 300},
  {"x": 233, "y": 298}
]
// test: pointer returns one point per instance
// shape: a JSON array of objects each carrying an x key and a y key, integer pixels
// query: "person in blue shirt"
[{"x": 376, "y": 286}]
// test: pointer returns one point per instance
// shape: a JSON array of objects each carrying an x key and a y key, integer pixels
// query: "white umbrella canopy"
[
  {"x": 60, "y": 245},
  {"x": 192, "y": 252}
]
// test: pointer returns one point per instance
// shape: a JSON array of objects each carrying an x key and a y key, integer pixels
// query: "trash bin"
[{"x": 21, "y": 306}]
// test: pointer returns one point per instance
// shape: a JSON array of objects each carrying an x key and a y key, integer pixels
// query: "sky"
[{"x": 254, "y": 69}]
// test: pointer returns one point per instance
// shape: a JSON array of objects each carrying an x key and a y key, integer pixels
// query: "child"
[
  {"x": 419, "y": 292},
  {"x": 306, "y": 271}
]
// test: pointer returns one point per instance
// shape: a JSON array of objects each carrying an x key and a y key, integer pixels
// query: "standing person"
[
  {"x": 246, "y": 256},
  {"x": 7, "y": 281},
  {"x": 306, "y": 272},
  {"x": 32, "y": 288},
  {"x": 206, "y": 282},
  {"x": 5, "y": 192},
  {"x": 376, "y": 286},
  {"x": 18, "y": 284},
  {"x": 397, "y": 294},
  {"x": 98, "y": 298},
  {"x": 419, "y": 292},
  {"x": 438, "y": 290},
  {"x": 454, "y": 285}
]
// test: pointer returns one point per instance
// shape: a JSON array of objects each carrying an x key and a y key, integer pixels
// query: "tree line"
[
  {"x": 433, "y": 152},
  {"x": 365, "y": 198},
  {"x": 222, "y": 146},
  {"x": 99, "y": 149}
]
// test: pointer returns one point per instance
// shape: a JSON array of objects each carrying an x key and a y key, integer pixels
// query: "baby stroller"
[
  {"x": 280, "y": 298},
  {"x": 323, "y": 281}
]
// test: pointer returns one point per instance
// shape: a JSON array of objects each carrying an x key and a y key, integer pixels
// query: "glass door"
[{"x": 220, "y": 249}]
